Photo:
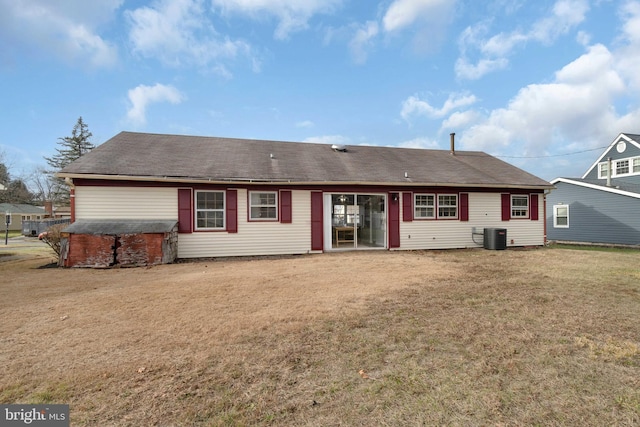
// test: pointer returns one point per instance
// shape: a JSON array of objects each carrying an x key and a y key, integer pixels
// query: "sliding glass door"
[{"x": 355, "y": 221}]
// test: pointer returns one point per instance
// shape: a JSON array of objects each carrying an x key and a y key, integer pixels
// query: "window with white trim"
[
  {"x": 603, "y": 170},
  {"x": 447, "y": 206},
  {"x": 424, "y": 206},
  {"x": 636, "y": 165},
  {"x": 561, "y": 216},
  {"x": 210, "y": 210},
  {"x": 519, "y": 206},
  {"x": 622, "y": 167},
  {"x": 263, "y": 205}
]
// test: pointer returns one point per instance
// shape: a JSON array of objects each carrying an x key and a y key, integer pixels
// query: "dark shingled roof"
[
  {"x": 144, "y": 156},
  {"x": 128, "y": 226}
]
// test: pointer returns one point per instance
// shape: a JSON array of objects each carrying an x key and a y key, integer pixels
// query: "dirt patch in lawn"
[{"x": 359, "y": 338}]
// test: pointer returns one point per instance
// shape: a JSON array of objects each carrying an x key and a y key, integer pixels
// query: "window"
[
  {"x": 622, "y": 167},
  {"x": 209, "y": 210},
  {"x": 424, "y": 206},
  {"x": 263, "y": 206},
  {"x": 561, "y": 216},
  {"x": 603, "y": 170},
  {"x": 636, "y": 165},
  {"x": 447, "y": 206},
  {"x": 519, "y": 206}
]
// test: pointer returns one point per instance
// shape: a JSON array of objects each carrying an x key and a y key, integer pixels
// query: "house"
[
  {"x": 19, "y": 212},
  {"x": 603, "y": 205},
  {"x": 238, "y": 197}
]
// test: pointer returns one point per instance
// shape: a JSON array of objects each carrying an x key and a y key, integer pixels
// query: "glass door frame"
[{"x": 355, "y": 216}]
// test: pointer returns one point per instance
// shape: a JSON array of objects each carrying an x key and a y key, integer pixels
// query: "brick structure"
[{"x": 103, "y": 244}]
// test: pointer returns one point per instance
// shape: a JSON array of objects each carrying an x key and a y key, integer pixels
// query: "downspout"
[
  {"x": 72, "y": 199},
  {"x": 544, "y": 203}
]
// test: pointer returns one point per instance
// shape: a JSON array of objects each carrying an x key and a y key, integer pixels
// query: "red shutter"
[
  {"x": 506, "y": 207},
  {"x": 533, "y": 207},
  {"x": 232, "y": 211},
  {"x": 285, "y": 206},
  {"x": 407, "y": 207},
  {"x": 394, "y": 219},
  {"x": 464, "y": 206},
  {"x": 316, "y": 221},
  {"x": 185, "y": 212}
]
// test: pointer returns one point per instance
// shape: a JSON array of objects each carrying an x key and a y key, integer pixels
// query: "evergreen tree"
[{"x": 72, "y": 148}]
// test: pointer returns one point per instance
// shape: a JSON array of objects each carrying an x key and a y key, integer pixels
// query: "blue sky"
[{"x": 542, "y": 84}]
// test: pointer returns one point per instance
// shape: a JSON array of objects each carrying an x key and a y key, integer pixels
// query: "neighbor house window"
[
  {"x": 636, "y": 165},
  {"x": 209, "y": 210},
  {"x": 519, "y": 206},
  {"x": 447, "y": 206},
  {"x": 263, "y": 205},
  {"x": 561, "y": 216},
  {"x": 424, "y": 206},
  {"x": 603, "y": 170},
  {"x": 622, "y": 167}
]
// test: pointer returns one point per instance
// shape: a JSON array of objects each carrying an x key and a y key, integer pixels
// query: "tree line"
[{"x": 42, "y": 184}]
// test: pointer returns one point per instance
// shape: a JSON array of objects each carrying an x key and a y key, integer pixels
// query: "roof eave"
[{"x": 259, "y": 181}]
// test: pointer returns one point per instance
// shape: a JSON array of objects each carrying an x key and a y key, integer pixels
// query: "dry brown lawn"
[{"x": 519, "y": 337}]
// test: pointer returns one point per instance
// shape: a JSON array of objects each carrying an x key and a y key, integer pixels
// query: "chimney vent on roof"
[
  {"x": 339, "y": 147},
  {"x": 453, "y": 143}
]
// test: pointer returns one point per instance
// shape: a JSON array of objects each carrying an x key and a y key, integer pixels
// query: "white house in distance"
[{"x": 239, "y": 197}]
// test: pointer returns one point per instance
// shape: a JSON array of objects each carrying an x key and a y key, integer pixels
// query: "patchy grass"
[
  {"x": 597, "y": 248},
  {"x": 472, "y": 337}
]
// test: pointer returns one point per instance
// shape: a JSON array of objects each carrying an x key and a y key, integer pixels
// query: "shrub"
[{"x": 52, "y": 237}]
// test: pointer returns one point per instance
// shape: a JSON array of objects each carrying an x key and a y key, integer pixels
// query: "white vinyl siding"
[
  {"x": 255, "y": 237},
  {"x": 484, "y": 212},
  {"x": 126, "y": 202}
]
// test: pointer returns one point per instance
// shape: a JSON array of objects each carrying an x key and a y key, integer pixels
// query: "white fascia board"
[{"x": 597, "y": 187}]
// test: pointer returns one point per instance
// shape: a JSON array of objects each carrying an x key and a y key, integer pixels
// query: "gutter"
[{"x": 70, "y": 176}]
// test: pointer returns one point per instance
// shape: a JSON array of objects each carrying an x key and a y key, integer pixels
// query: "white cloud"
[
  {"x": 492, "y": 52},
  {"x": 177, "y": 32},
  {"x": 293, "y": 15},
  {"x": 460, "y": 119},
  {"x": 420, "y": 142},
  {"x": 305, "y": 124},
  {"x": 142, "y": 96},
  {"x": 628, "y": 57},
  {"x": 362, "y": 41},
  {"x": 329, "y": 139},
  {"x": 577, "y": 106},
  {"x": 566, "y": 15},
  {"x": 466, "y": 70},
  {"x": 69, "y": 30},
  {"x": 414, "y": 106},
  {"x": 404, "y": 13}
]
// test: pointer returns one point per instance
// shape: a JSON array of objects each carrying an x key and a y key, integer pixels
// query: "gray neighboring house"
[{"x": 603, "y": 205}]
